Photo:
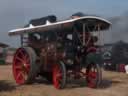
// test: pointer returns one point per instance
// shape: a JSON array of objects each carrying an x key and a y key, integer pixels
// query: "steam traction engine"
[{"x": 59, "y": 50}]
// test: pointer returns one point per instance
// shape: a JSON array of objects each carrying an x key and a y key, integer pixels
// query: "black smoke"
[{"x": 119, "y": 29}]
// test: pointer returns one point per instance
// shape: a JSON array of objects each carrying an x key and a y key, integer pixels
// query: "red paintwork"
[
  {"x": 121, "y": 67},
  {"x": 21, "y": 66},
  {"x": 91, "y": 78},
  {"x": 57, "y": 76}
]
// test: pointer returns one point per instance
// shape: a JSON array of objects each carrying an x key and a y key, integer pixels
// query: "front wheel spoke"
[
  {"x": 26, "y": 65},
  {"x": 20, "y": 75},
  {"x": 21, "y": 53},
  {"x": 25, "y": 74},
  {"x": 21, "y": 60},
  {"x": 18, "y": 67},
  {"x": 26, "y": 58},
  {"x": 27, "y": 68}
]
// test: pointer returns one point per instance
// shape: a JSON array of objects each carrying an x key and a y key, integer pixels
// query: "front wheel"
[
  {"x": 24, "y": 66},
  {"x": 59, "y": 75},
  {"x": 94, "y": 75}
]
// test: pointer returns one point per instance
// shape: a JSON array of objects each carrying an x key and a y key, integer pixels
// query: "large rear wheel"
[
  {"x": 93, "y": 75},
  {"x": 24, "y": 65},
  {"x": 59, "y": 75}
]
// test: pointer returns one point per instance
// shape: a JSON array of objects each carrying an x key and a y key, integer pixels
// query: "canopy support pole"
[
  {"x": 21, "y": 39},
  {"x": 84, "y": 34}
]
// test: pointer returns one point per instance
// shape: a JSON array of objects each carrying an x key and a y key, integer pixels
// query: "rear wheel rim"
[
  {"x": 57, "y": 76},
  {"x": 92, "y": 74},
  {"x": 21, "y": 66}
]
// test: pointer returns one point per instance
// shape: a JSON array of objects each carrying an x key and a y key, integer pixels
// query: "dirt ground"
[{"x": 113, "y": 84}]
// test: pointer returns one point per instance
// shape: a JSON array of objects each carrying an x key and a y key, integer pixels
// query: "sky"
[{"x": 16, "y": 13}]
